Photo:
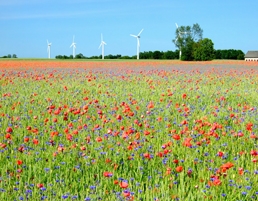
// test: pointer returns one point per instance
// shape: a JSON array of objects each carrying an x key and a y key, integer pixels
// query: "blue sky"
[{"x": 27, "y": 24}]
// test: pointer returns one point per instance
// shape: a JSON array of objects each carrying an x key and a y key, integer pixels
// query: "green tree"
[
  {"x": 187, "y": 50},
  {"x": 169, "y": 55},
  {"x": 14, "y": 56},
  {"x": 186, "y": 35},
  {"x": 203, "y": 50},
  {"x": 157, "y": 54},
  {"x": 79, "y": 56},
  {"x": 240, "y": 55}
]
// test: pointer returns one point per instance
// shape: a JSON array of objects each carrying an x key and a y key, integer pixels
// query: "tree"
[
  {"x": 203, "y": 50},
  {"x": 186, "y": 35},
  {"x": 79, "y": 56},
  {"x": 187, "y": 50},
  {"x": 169, "y": 55},
  {"x": 14, "y": 56},
  {"x": 157, "y": 54}
]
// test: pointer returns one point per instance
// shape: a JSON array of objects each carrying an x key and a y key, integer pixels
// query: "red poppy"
[
  {"x": 220, "y": 153},
  {"x": 147, "y": 155},
  {"x": 98, "y": 139},
  {"x": 19, "y": 162},
  {"x": 123, "y": 184},
  {"x": 8, "y": 136},
  {"x": 107, "y": 174},
  {"x": 35, "y": 141},
  {"x": 175, "y": 161},
  {"x": 39, "y": 185},
  {"x": 254, "y": 152},
  {"x": 126, "y": 193},
  {"x": 179, "y": 169},
  {"x": 9, "y": 130},
  {"x": 226, "y": 166},
  {"x": 216, "y": 182},
  {"x": 176, "y": 137},
  {"x": 26, "y": 139}
]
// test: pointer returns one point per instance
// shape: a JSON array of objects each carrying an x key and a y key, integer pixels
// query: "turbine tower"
[
  {"x": 138, "y": 42},
  {"x": 74, "y": 46},
  {"x": 102, "y": 43},
  {"x": 180, "y": 35},
  {"x": 48, "y": 48}
]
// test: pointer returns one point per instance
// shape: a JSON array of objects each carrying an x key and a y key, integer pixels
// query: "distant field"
[{"x": 132, "y": 64}]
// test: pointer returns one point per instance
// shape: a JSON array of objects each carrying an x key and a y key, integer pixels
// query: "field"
[{"x": 128, "y": 130}]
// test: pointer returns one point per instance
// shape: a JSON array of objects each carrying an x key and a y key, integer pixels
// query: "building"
[{"x": 251, "y": 56}]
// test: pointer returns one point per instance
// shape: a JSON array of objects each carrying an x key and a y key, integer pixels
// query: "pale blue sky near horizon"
[{"x": 25, "y": 25}]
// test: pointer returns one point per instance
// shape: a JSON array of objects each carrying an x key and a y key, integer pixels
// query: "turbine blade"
[
  {"x": 100, "y": 45},
  {"x": 140, "y": 32},
  {"x": 176, "y": 25},
  {"x": 133, "y": 35}
]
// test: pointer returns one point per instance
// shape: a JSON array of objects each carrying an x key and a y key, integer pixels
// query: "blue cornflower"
[
  {"x": 64, "y": 196},
  {"x": 248, "y": 187},
  {"x": 92, "y": 187},
  {"x": 47, "y": 169}
]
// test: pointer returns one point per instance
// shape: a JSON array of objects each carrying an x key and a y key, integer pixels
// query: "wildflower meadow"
[{"x": 128, "y": 130}]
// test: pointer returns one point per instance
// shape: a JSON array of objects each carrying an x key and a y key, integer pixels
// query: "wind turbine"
[
  {"x": 102, "y": 43},
  {"x": 74, "y": 46},
  {"x": 48, "y": 48},
  {"x": 138, "y": 42},
  {"x": 180, "y": 35}
]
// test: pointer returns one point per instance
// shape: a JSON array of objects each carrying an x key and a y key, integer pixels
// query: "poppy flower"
[
  {"x": 9, "y": 130},
  {"x": 226, "y": 166},
  {"x": 39, "y": 185},
  {"x": 107, "y": 174},
  {"x": 179, "y": 169},
  {"x": 175, "y": 161},
  {"x": 216, "y": 182},
  {"x": 220, "y": 153},
  {"x": 126, "y": 193},
  {"x": 8, "y": 136},
  {"x": 98, "y": 139},
  {"x": 19, "y": 162},
  {"x": 123, "y": 184},
  {"x": 35, "y": 141},
  {"x": 26, "y": 139},
  {"x": 150, "y": 105},
  {"x": 254, "y": 152},
  {"x": 176, "y": 137}
]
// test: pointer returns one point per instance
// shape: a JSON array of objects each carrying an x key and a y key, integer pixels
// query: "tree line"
[
  {"x": 168, "y": 55},
  {"x": 10, "y": 56}
]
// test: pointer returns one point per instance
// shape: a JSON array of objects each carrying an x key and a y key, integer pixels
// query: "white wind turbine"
[
  {"x": 180, "y": 35},
  {"x": 138, "y": 42},
  {"x": 102, "y": 43},
  {"x": 48, "y": 48},
  {"x": 74, "y": 46}
]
